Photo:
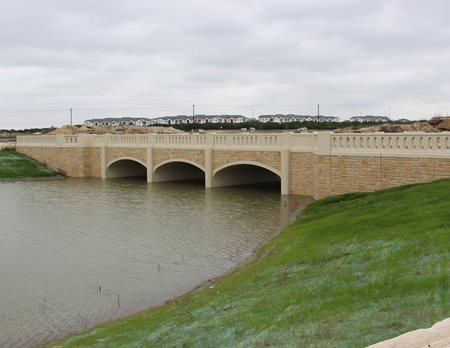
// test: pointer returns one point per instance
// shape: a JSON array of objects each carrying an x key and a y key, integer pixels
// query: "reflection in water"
[{"x": 76, "y": 252}]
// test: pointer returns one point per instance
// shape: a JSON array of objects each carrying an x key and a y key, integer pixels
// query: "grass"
[
  {"x": 356, "y": 269},
  {"x": 14, "y": 165}
]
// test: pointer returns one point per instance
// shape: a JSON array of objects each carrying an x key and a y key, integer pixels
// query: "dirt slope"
[
  {"x": 436, "y": 124},
  {"x": 83, "y": 129}
]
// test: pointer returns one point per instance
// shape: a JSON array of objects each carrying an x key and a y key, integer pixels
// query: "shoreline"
[
  {"x": 205, "y": 284},
  {"x": 255, "y": 291},
  {"x": 17, "y": 166}
]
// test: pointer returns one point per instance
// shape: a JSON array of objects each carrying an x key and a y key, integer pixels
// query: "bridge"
[{"x": 314, "y": 164}]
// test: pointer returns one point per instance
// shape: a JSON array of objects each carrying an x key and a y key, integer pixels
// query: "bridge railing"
[
  {"x": 248, "y": 140},
  {"x": 128, "y": 139},
  {"x": 36, "y": 139},
  {"x": 303, "y": 142},
  {"x": 426, "y": 144},
  {"x": 180, "y": 139},
  {"x": 51, "y": 140},
  {"x": 387, "y": 143}
]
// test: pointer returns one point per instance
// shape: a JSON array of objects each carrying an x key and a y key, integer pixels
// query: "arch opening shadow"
[
  {"x": 178, "y": 171},
  {"x": 126, "y": 168},
  {"x": 247, "y": 174}
]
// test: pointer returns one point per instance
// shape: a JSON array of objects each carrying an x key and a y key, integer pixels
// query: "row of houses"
[
  {"x": 165, "y": 120},
  {"x": 202, "y": 119},
  {"x": 369, "y": 118},
  {"x": 281, "y": 118},
  {"x": 183, "y": 119}
]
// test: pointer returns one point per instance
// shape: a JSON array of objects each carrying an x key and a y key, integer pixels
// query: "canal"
[{"x": 78, "y": 252}]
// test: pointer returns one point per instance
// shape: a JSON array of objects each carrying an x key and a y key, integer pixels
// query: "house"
[
  {"x": 117, "y": 121},
  {"x": 328, "y": 119},
  {"x": 264, "y": 118},
  {"x": 302, "y": 118},
  {"x": 202, "y": 119},
  {"x": 280, "y": 118},
  {"x": 369, "y": 118}
]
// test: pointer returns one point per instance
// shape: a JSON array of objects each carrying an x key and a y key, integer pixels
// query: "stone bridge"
[{"x": 313, "y": 164}]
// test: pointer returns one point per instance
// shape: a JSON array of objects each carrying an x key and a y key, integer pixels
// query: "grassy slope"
[
  {"x": 17, "y": 165},
  {"x": 357, "y": 269}
]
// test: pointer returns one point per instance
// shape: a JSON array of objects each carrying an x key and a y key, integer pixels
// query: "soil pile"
[
  {"x": 442, "y": 123},
  {"x": 436, "y": 124},
  {"x": 83, "y": 129}
]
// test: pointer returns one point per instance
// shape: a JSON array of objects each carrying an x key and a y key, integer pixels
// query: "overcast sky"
[{"x": 154, "y": 58}]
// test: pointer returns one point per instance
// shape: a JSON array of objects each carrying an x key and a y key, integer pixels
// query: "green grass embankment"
[
  {"x": 14, "y": 165},
  {"x": 355, "y": 270}
]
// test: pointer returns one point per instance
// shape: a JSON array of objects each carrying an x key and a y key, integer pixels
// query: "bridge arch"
[
  {"x": 126, "y": 167},
  {"x": 178, "y": 169},
  {"x": 245, "y": 172}
]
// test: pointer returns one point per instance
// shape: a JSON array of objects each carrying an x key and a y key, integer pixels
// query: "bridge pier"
[
  {"x": 150, "y": 163},
  {"x": 208, "y": 168},
  {"x": 285, "y": 171}
]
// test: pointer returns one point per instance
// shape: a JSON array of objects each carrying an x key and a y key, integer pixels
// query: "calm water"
[{"x": 76, "y": 252}]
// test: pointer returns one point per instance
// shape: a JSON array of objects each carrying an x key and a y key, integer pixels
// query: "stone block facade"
[
  {"x": 323, "y": 176},
  {"x": 95, "y": 163},
  {"x": 271, "y": 159},
  {"x": 196, "y": 156},
  {"x": 114, "y": 153},
  {"x": 302, "y": 173},
  {"x": 308, "y": 173},
  {"x": 75, "y": 162}
]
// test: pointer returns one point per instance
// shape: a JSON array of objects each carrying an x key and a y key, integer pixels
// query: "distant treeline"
[
  {"x": 311, "y": 125},
  {"x": 27, "y": 130},
  {"x": 272, "y": 125}
]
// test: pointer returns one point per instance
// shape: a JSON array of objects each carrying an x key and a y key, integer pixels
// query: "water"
[{"x": 77, "y": 252}]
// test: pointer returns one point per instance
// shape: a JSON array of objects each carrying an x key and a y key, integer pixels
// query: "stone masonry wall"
[
  {"x": 343, "y": 174},
  {"x": 74, "y": 162},
  {"x": 302, "y": 168},
  {"x": 161, "y": 155},
  {"x": 113, "y": 153},
  {"x": 95, "y": 162},
  {"x": 310, "y": 174},
  {"x": 269, "y": 158}
]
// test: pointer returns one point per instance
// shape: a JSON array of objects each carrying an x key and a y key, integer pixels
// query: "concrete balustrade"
[
  {"x": 316, "y": 164},
  {"x": 324, "y": 143},
  {"x": 421, "y": 144}
]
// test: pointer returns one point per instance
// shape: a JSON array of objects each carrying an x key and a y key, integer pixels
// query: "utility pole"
[
  {"x": 193, "y": 118},
  {"x": 70, "y": 116},
  {"x": 253, "y": 113},
  {"x": 318, "y": 113}
]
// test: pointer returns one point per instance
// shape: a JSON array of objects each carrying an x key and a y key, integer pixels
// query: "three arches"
[{"x": 230, "y": 174}]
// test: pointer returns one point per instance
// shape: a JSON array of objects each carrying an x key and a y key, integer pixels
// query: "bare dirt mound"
[
  {"x": 83, "y": 129},
  {"x": 420, "y": 126},
  {"x": 442, "y": 123}
]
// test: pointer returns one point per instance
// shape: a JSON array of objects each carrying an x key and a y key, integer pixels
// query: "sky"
[{"x": 145, "y": 58}]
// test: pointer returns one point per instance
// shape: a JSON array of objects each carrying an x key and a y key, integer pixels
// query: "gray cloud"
[{"x": 148, "y": 58}]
